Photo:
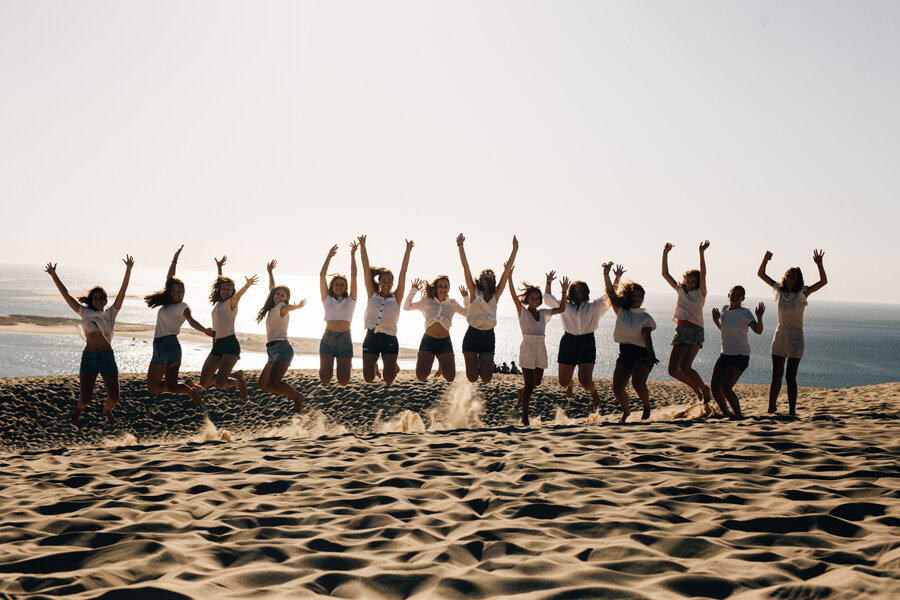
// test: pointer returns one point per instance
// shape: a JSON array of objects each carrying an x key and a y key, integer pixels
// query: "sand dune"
[{"x": 335, "y": 505}]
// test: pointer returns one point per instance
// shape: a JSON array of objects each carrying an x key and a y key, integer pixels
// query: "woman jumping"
[
  {"x": 438, "y": 309},
  {"x": 339, "y": 301},
  {"x": 734, "y": 320}
]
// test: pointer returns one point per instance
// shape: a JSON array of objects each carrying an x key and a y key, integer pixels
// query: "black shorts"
[
  {"x": 380, "y": 344},
  {"x": 577, "y": 349},
  {"x": 630, "y": 355},
  {"x": 226, "y": 345},
  {"x": 436, "y": 346},
  {"x": 739, "y": 362},
  {"x": 478, "y": 341}
]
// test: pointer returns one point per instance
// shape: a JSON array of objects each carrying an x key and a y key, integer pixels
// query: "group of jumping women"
[{"x": 577, "y": 349}]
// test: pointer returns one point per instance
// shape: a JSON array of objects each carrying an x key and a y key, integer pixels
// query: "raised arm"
[
  {"x": 414, "y": 286},
  {"x": 353, "y": 247},
  {"x": 401, "y": 279},
  {"x": 220, "y": 264},
  {"x": 610, "y": 288},
  {"x": 818, "y": 255},
  {"x": 270, "y": 267},
  {"x": 716, "y": 315},
  {"x": 507, "y": 271},
  {"x": 703, "y": 248},
  {"x": 233, "y": 301},
  {"x": 120, "y": 297},
  {"x": 73, "y": 304},
  {"x": 174, "y": 264},
  {"x": 762, "y": 270},
  {"x": 757, "y": 325},
  {"x": 512, "y": 292},
  {"x": 467, "y": 273},
  {"x": 549, "y": 299},
  {"x": 665, "y": 266},
  {"x": 289, "y": 307},
  {"x": 193, "y": 323},
  {"x": 565, "y": 297},
  {"x": 367, "y": 276},
  {"x": 323, "y": 283}
]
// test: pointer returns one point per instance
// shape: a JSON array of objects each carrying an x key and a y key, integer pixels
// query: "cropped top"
[
  {"x": 583, "y": 318},
  {"x": 481, "y": 313},
  {"x": 382, "y": 314},
  {"x": 102, "y": 321},
  {"x": 689, "y": 306},
  {"x": 339, "y": 309},
  {"x": 434, "y": 310}
]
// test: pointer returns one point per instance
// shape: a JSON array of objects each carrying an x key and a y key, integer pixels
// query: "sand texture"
[{"x": 247, "y": 501}]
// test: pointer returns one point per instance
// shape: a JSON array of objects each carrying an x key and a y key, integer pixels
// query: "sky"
[{"x": 593, "y": 131}]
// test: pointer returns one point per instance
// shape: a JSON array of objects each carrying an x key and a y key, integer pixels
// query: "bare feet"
[
  {"x": 298, "y": 403},
  {"x": 525, "y": 421},
  {"x": 569, "y": 390},
  {"x": 107, "y": 410},
  {"x": 519, "y": 396},
  {"x": 76, "y": 414},
  {"x": 624, "y": 416},
  {"x": 378, "y": 372},
  {"x": 190, "y": 383},
  {"x": 242, "y": 384},
  {"x": 195, "y": 395},
  {"x": 707, "y": 394},
  {"x": 438, "y": 373},
  {"x": 645, "y": 415}
]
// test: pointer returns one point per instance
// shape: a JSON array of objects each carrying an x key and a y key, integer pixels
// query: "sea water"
[{"x": 847, "y": 343}]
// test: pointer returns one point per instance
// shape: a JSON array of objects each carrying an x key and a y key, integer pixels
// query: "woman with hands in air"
[
  {"x": 339, "y": 300},
  {"x": 733, "y": 321}
]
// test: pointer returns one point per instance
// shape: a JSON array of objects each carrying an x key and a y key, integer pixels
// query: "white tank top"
[
  {"x": 339, "y": 309},
  {"x": 169, "y": 319},
  {"x": 382, "y": 314},
  {"x": 223, "y": 319},
  {"x": 689, "y": 306},
  {"x": 276, "y": 325},
  {"x": 532, "y": 326}
]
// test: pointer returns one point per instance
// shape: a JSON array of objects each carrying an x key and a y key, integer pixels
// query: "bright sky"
[{"x": 593, "y": 130}]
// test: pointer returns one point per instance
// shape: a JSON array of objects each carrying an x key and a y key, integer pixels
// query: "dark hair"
[
  {"x": 163, "y": 297},
  {"x": 331, "y": 286},
  {"x": 736, "y": 288},
  {"x": 490, "y": 288},
  {"x": 431, "y": 288},
  {"x": 528, "y": 288},
  {"x": 217, "y": 287},
  {"x": 270, "y": 301},
  {"x": 799, "y": 285},
  {"x": 376, "y": 273},
  {"x": 587, "y": 291},
  {"x": 624, "y": 298},
  {"x": 88, "y": 298},
  {"x": 690, "y": 273}
]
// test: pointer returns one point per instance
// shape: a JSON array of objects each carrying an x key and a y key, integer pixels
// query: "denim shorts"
[
  {"x": 739, "y": 362},
  {"x": 279, "y": 350},
  {"x": 478, "y": 341},
  {"x": 226, "y": 345},
  {"x": 577, "y": 349},
  {"x": 98, "y": 363},
  {"x": 380, "y": 344},
  {"x": 436, "y": 346},
  {"x": 689, "y": 335},
  {"x": 630, "y": 355},
  {"x": 337, "y": 344},
  {"x": 166, "y": 349}
]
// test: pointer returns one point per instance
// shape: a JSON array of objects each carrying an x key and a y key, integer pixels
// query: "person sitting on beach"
[
  {"x": 504, "y": 369},
  {"x": 578, "y": 347},
  {"x": 339, "y": 300},
  {"x": 787, "y": 344},
  {"x": 277, "y": 312},
  {"x": 226, "y": 349},
  {"x": 438, "y": 309},
  {"x": 172, "y": 314},
  {"x": 96, "y": 327},
  {"x": 513, "y": 367},
  {"x": 688, "y": 319},
  {"x": 633, "y": 334},
  {"x": 734, "y": 320},
  {"x": 382, "y": 314},
  {"x": 533, "y": 350},
  {"x": 481, "y": 313}
]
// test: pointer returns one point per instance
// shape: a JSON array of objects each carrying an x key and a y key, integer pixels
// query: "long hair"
[
  {"x": 529, "y": 288},
  {"x": 221, "y": 280},
  {"x": 624, "y": 298},
  {"x": 799, "y": 284},
  {"x": 331, "y": 286},
  {"x": 431, "y": 288},
  {"x": 690, "y": 273},
  {"x": 270, "y": 301},
  {"x": 584, "y": 286},
  {"x": 488, "y": 288},
  {"x": 163, "y": 297},
  {"x": 376, "y": 273},
  {"x": 88, "y": 299}
]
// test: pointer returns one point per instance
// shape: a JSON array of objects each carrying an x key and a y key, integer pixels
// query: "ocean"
[{"x": 847, "y": 343}]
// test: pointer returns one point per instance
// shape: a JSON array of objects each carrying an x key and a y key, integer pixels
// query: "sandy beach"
[{"x": 246, "y": 500}]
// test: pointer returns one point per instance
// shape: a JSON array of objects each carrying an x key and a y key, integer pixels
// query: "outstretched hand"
[
  {"x": 716, "y": 315},
  {"x": 353, "y": 247},
  {"x": 251, "y": 280},
  {"x": 551, "y": 276},
  {"x": 271, "y": 265},
  {"x": 300, "y": 304},
  {"x": 817, "y": 256},
  {"x": 704, "y": 245},
  {"x": 50, "y": 268},
  {"x": 607, "y": 267},
  {"x": 760, "y": 309},
  {"x": 129, "y": 261},
  {"x": 565, "y": 285},
  {"x": 362, "y": 240},
  {"x": 333, "y": 252},
  {"x": 619, "y": 271},
  {"x": 409, "y": 245},
  {"x": 416, "y": 284},
  {"x": 220, "y": 263},
  {"x": 463, "y": 291}
]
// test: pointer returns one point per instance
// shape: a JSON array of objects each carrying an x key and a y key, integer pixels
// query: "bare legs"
[
  {"x": 778, "y": 371},
  {"x": 585, "y": 378},
  {"x": 86, "y": 385},
  {"x": 370, "y": 367},
  {"x": 446, "y": 365},
  {"x": 479, "y": 365},
  {"x": 680, "y": 368},
  {"x": 218, "y": 371},
  {"x": 723, "y": 381},
  {"x": 638, "y": 375},
  {"x": 326, "y": 369},
  {"x": 169, "y": 371},
  {"x": 270, "y": 381},
  {"x": 531, "y": 379}
]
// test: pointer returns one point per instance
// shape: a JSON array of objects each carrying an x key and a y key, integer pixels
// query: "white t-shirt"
[
  {"x": 382, "y": 314},
  {"x": 689, "y": 306},
  {"x": 480, "y": 313},
  {"x": 629, "y": 324},
  {"x": 434, "y": 310},
  {"x": 223, "y": 319},
  {"x": 276, "y": 325},
  {"x": 790, "y": 306},
  {"x": 734, "y": 330},
  {"x": 339, "y": 309},
  {"x": 581, "y": 319},
  {"x": 532, "y": 326},
  {"x": 92, "y": 320},
  {"x": 169, "y": 319}
]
